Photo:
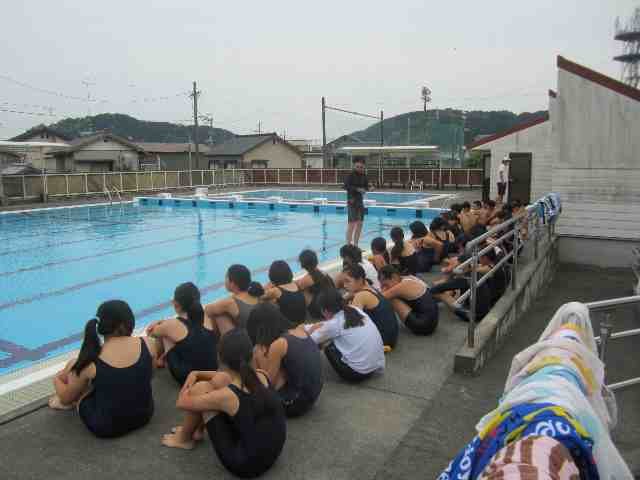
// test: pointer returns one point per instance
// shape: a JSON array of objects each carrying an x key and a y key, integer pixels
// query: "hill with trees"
[
  {"x": 442, "y": 127},
  {"x": 139, "y": 130}
]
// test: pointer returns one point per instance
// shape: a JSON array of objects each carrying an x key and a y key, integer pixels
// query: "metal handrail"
[
  {"x": 606, "y": 333},
  {"x": 513, "y": 227},
  {"x": 614, "y": 302},
  {"x": 115, "y": 190}
]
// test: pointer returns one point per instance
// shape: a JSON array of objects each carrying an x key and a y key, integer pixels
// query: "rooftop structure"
[{"x": 629, "y": 34}]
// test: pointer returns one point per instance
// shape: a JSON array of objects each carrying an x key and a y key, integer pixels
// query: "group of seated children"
[
  {"x": 443, "y": 244},
  {"x": 248, "y": 361},
  {"x": 244, "y": 362}
]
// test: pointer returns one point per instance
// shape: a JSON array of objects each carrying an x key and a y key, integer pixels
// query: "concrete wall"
[
  {"x": 597, "y": 252},
  {"x": 597, "y": 160},
  {"x": 278, "y": 155},
  {"x": 535, "y": 140}
]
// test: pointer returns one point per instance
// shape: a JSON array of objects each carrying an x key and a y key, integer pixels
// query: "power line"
[
  {"x": 88, "y": 99},
  {"x": 20, "y": 112}
]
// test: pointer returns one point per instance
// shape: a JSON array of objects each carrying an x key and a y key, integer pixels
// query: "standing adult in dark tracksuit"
[{"x": 356, "y": 186}]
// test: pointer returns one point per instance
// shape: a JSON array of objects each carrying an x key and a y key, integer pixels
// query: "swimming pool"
[
  {"x": 386, "y": 198},
  {"x": 57, "y": 265}
]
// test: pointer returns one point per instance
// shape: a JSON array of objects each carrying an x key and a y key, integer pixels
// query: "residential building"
[
  {"x": 587, "y": 151},
  {"x": 311, "y": 153},
  {"x": 39, "y": 142},
  {"x": 8, "y": 157},
  {"x": 174, "y": 156},
  {"x": 266, "y": 150},
  {"x": 102, "y": 152}
]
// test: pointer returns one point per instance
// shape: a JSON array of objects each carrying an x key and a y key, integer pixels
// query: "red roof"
[
  {"x": 599, "y": 78},
  {"x": 514, "y": 129}
]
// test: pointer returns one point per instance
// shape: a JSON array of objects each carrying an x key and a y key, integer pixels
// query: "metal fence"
[
  {"x": 526, "y": 228},
  {"x": 607, "y": 334},
  {"x": 75, "y": 184}
]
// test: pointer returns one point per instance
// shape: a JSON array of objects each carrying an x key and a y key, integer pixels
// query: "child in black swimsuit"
[
  {"x": 110, "y": 383},
  {"x": 244, "y": 419}
]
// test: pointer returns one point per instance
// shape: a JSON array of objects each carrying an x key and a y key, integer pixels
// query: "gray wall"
[{"x": 596, "y": 159}]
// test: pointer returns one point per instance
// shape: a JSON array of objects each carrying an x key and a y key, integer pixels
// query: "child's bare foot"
[
  {"x": 197, "y": 435},
  {"x": 56, "y": 404},
  {"x": 175, "y": 440}
]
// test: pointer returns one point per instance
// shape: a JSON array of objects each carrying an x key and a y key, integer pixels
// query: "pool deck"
[{"x": 405, "y": 424}]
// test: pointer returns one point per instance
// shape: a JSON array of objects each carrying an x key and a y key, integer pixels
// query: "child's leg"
[{"x": 183, "y": 435}]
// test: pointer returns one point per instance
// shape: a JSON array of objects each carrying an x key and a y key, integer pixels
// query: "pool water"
[
  {"x": 58, "y": 265},
  {"x": 386, "y": 198}
]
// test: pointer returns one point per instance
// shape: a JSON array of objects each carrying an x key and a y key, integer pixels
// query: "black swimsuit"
[
  {"x": 293, "y": 306},
  {"x": 423, "y": 318},
  {"x": 409, "y": 264},
  {"x": 384, "y": 317},
  {"x": 250, "y": 442},
  {"x": 121, "y": 400},
  {"x": 196, "y": 351},
  {"x": 303, "y": 366}
]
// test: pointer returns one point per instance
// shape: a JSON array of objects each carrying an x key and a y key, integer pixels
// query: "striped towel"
[{"x": 532, "y": 458}]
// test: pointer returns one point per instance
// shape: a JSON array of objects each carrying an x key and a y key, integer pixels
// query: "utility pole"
[
  {"x": 426, "y": 98},
  {"x": 3, "y": 200},
  {"x": 195, "y": 96},
  {"x": 324, "y": 134},
  {"x": 382, "y": 128}
]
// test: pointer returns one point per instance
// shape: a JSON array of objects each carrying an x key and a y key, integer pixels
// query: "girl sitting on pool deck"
[
  {"x": 242, "y": 413},
  {"x": 403, "y": 254},
  {"x": 379, "y": 254},
  {"x": 110, "y": 383},
  {"x": 313, "y": 283},
  {"x": 372, "y": 303},
  {"x": 231, "y": 312},
  {"x": 353, "y": 344},
  {"x": 285, "y": 292},
  {"x": 188, "y": 341},
  {"x": 290, "y": 357},
  {"x": 411, "y": 300}
]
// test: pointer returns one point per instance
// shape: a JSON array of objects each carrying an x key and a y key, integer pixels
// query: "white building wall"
[
  {"x": 535, "y": 140},
  {"x": 597, "y": 159}
]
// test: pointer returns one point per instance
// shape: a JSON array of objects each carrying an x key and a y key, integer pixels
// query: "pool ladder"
[{"x": 113, "y": 190}]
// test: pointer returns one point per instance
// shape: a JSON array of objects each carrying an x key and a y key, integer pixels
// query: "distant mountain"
[
  {"x": 138, "y": 130},
  {"x": 444, "y": 127}
]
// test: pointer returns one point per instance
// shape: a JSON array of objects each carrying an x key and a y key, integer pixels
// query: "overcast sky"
[{"x": 272, "y": 61}]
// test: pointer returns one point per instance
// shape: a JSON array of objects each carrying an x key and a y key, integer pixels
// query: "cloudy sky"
[{"x": 272, "y": 61}]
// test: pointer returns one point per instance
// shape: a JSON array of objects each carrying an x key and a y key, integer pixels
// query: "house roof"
[
  {"x": 504, "y": 133},
  {"x": 83, "y": 142},
  {"x": 156, "y": 147},
  {"x": 41, "y": 129},
  {"x": 599, "y": 78},
  {"x": 20, "y": 169},
  {"x": 241, "y": 144}
]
